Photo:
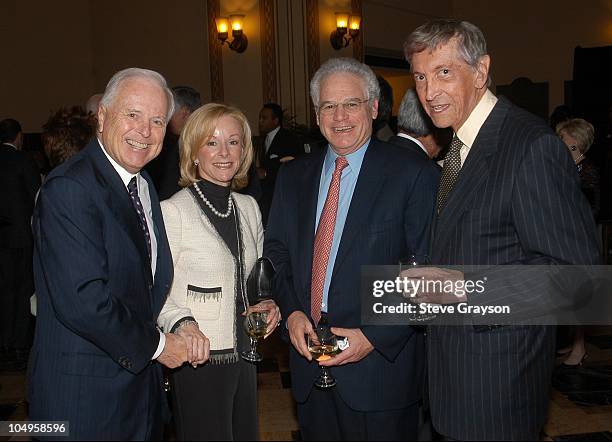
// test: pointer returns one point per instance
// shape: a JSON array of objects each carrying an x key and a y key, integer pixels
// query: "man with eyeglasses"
[{"x": 361, "y": 202}]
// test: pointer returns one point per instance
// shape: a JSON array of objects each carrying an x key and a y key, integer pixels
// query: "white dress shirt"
[
  {"x": 469, "y": 130},
  {"x": 270, "y": 137},
  {"x": 408, "y": 137}
]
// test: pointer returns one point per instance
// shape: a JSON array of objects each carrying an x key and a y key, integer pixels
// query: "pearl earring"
[{"x": 196, "y": 162}]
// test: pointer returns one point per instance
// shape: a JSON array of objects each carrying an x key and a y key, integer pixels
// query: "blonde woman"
[
  {"x": 578, "y": 135},
  {"x": 215, "y": 236}
]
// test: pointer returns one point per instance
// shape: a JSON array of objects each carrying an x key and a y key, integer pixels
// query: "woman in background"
[{"x": 578, "y": 135}]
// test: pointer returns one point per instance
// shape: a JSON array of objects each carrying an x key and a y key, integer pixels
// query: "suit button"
[
  {"x": 150, "y": 286},
  {"x": 125, "y": 362}
]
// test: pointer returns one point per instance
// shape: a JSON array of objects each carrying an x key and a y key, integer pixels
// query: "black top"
[
  {"x": 218, "y": 197},
  {"x": 228, "y": 229}
]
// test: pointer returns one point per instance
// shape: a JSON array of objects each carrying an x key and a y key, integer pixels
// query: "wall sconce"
[
  {"x": 344, "y": 22},
  {"x": 236, "y": 22}
]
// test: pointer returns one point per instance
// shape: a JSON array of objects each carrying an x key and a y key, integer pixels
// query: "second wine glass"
[
  {"x": 255, "y": 324},
  {"x": 413, "y": 261}
]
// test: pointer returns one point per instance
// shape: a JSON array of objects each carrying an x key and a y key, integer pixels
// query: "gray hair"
[
  {"x": 110, "y": 93},
  {"x": 344, "y": 65},
  {"x": 412, "y": 118},
  {"x": 185, "y": 96},
  {"x": 471, "y": 43}
]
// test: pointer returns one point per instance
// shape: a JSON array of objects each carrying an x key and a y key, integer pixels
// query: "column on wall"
[{"x": 214, "y": 52}]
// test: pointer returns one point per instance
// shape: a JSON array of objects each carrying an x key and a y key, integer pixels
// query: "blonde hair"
[
  {"x": 581, "y": 130},
  {"x": 199, "y": 127}
]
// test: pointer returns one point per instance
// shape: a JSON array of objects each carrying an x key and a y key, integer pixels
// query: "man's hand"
[
  {"x": 198, "y": 345},
  {"x": 175, "y": 351},
  {"x": 421, "y": 275},
  {"x": 359, "y": 347},
  {"x": 299, "y": 326},
  {"x": 286, "y": 159},
  {"x": 274, "y": 315}
]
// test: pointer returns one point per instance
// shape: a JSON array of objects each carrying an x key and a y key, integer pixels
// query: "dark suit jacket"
[
  {"x": 408, "y": 144},
  {"x": 19, "y": 182},
  {"x": 284, "y": 144},
  {"x": 517, "y": 201},
  {"x": 389, "y": 217},
  {"x": 165, "y": 169},
  {"x": 97, "y": 304}
]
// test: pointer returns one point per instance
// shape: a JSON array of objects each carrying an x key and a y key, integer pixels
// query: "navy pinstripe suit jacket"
[
  {"x": 517, "y": 201},
  {"x": 97, "y": 304}
]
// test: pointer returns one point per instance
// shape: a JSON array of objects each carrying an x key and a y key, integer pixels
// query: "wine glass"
[
  {"x": 413, "y": 261},
  {"x": 322, "y": 347},
  {"x": 255, "y": 324}
]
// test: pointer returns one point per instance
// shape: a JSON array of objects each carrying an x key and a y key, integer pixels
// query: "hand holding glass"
[
  {"x": 413, "y": 261},
  {"x": 322, "y": 347},
  {"x": 255, "y": 324}
]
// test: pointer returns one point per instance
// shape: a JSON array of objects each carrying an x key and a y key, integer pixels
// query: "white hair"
[
  {"x": 344, "y": 65},
  {"x": 110, "y": 93}
]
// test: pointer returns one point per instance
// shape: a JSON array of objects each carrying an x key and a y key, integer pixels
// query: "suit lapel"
[
  {"x": 370, "y": 181},
  {"x": 163, "y": 248},
  {"x": 473, "y": 175},
  {"x": 307, "y": 212},
  {"x": 118, "y": 199}
]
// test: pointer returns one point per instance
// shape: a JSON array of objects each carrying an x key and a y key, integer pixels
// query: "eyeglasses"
[{"x": 350, "y": 106}]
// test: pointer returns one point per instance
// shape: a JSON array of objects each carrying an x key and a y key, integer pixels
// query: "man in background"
[
  {"x": 279, "y": 146},
  {"x": 92, "y": 104},
  {"x": 165, "y": 169},
  {"x": 416, "y": 132},
  {"x": 19, "y": 182}
]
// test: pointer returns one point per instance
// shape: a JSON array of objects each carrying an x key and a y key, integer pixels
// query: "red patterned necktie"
[{"x": 323, "y": 241}]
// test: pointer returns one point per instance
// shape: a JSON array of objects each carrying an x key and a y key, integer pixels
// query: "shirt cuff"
[{"x": 160, "y": 346}]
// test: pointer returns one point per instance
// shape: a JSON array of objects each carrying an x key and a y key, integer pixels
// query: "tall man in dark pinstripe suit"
[{"x": 509, "y": 194}]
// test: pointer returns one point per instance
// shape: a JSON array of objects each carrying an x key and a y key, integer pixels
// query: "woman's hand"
[
  {"x": 198, "y": 345},
  {"x": 274, "y": 315}
]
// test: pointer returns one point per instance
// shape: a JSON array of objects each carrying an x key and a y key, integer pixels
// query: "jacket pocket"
[
  {"x": 204, "y": 302},
  {"x": 89, "y": 365}
]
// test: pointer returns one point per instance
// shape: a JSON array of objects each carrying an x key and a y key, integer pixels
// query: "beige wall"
[
  {"x": 47, "y": 57},
  {"x": 387, "y": 23},
  {"x": 539, "y": 44},
  {"x": 150, "y": 34},
  {"x": 62, "y": 52},
  {"x": 242, "y": 72}
]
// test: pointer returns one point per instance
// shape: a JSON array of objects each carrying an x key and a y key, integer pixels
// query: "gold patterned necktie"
[{"x": 450, "y": 172}]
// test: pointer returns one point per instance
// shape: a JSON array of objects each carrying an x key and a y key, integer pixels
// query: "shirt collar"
[
  {"x": 354, "y": 159},
  {"x": 270, "y": 135},
  {"x": 404, "y": 135},
  {"x": 469, "y": 130},
  {"x": 11, "y": 144},
  {"x": 125, "y": 176}
]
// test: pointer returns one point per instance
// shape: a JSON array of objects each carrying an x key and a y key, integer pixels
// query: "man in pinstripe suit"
[{"x": 509, "y": 194}]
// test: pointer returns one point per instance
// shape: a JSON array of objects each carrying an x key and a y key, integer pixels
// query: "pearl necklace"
[{"x": 230, "y": 203}]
